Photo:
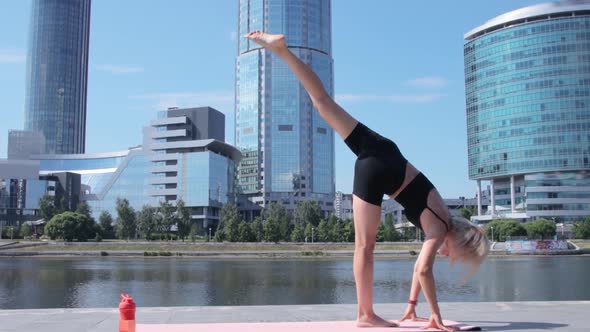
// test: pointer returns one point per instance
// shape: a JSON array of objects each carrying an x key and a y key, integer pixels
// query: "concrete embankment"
[
  {"x": 241, "y": 250},
  {"x": 568, "y": 316}
]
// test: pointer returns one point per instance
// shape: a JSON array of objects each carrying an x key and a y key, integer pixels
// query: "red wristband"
[{"x": 413, "y": 302}]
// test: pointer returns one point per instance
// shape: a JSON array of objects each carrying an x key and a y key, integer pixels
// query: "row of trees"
[
  {"x": 147, "y": 223},
  {"x": 502, "y": 229},
  {"x": 305, "y": 225},
  {"x": 152, "y": 222},
  {"x": 539, "y": 228}
]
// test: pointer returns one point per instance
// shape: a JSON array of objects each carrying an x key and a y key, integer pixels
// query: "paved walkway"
[{"x": 492, "y": 316}]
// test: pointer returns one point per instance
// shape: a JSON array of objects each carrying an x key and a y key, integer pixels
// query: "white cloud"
[
  {"x": 220, "y": 100},
  {"x": 8, "y": 55},
  {"x": 427, "y": 82},
  {"x": 119, "y": 69},
  {"x": 394, "y": 98}
]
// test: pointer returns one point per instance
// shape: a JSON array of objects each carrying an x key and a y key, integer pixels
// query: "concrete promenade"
[{"x": 491, "y": 316}]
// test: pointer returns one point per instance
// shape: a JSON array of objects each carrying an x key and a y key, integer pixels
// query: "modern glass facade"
[
  {"x": 205, "y": 179},
  {"x": 527, "y": 79},
  {"x": 287, "y": 148},
  {"x": 57, "y": 70},
  {"x": 211, "y": 185},
  {"x": 130, "y": 181},
  {"x": 103, "y": 176},
  {"x": 22, "y": 185},
  {"x": 191, "y": 161}
]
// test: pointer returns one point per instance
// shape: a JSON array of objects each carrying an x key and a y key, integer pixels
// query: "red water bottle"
[{"x": 127, "y": 314}]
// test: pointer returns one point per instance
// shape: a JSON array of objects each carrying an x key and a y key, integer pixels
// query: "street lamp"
[
  {"x": 209, "y": 234},
  {"x": 312, "y": 235}
]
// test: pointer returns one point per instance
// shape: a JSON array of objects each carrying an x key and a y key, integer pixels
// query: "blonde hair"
[{"x": 469, "y": 243}]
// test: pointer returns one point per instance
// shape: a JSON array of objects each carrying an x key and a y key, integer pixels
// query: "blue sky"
[{"x": 398, "y": 67}]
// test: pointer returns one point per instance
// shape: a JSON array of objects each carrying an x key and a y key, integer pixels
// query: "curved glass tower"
[
  {"x": 57, "y": 70},
  {"x": 288, "y": 150},
  {"x": 527, "y": 79}
]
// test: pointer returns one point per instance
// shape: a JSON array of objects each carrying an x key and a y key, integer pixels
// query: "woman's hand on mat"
[
  {"x": 410, "y": 314},
  {"x": 435, "y": 322}
]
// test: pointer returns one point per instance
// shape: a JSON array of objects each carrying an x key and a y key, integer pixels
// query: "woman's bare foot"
[
  {"x": 272, "y": 42},
  {"x": 374, "y": 321}
]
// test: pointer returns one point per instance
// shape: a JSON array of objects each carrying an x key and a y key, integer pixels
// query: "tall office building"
[
  {"x": 57, "y": 70},
  {"x": 527, "y": 78},
  {"x": 288, "y": 150}
]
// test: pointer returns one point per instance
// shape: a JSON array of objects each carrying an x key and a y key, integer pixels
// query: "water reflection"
[{"x": 97, "y": 282}]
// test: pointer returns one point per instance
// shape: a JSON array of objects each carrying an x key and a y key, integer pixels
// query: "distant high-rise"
[
  {"x": 57, "y": 71},
  {"x": 527, "y": 82},
  {"x": 287, "y": 148}
]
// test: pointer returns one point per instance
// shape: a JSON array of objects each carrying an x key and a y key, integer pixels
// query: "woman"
[{"x": 381, "y": 169}]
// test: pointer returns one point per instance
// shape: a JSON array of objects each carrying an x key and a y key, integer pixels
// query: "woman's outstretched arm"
[
  {"x": 414, "y": 293},
  {"x": 425, "y": 272},
  {"x": 336, "y": 117}
]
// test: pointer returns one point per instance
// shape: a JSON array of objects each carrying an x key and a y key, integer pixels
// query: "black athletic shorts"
[{"x": 380, "y": 167}]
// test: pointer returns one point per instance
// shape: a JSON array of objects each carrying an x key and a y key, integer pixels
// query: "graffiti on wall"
[{"x": 536, "y": 245}]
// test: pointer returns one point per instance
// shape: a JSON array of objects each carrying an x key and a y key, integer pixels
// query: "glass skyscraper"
[
  {"x": 288, "y": 150},
  {"x": 57, "y": 70},
  {"x": 527, "y": 79}
]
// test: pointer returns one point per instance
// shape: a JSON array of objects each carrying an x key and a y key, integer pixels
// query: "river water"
[{"x": 27, "y": 283}]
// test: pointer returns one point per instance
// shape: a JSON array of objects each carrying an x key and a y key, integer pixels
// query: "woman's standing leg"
[{"x": 367, "y": 217}]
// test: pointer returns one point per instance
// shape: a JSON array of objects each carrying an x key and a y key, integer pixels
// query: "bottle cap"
[{"x": 127, "y": 307}]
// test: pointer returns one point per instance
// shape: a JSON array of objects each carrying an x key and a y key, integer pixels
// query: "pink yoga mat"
[{"x": 337, "y": 326}]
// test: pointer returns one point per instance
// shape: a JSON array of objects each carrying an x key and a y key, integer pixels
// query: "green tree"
[
  {"x": 389, "y": 232},
  {"x": 297, "y": 233},
  {"x": 219, "y": 233},
  {"x": 504, "y": 228},
  {"x": 126, "y": 222},
  {"x": 193, "y": 234},
  {"x": 408, "y": 233},
  {"x": 25, "y": 231},
  {"x": 348, "y": 234},
  {"x": 285, "y": 228},
  {"x": 47, "y": 208},
  {"x": 245, "y": 232},
  {"x": 106, "y": 225},
  {"x": 542, "y": 228},
  {"x": 275, "y": 211},
  {"x": 381, "y": 232},
  {"x": 63, "y": 205},
  {"x": 272, "y": 233},
  {"x": 581, "y": 229},
  {"x": 10, "y": 231},
  {"x": 308, "y": 212},
  {"x": 257, "y": 229},
  {"x": 310, "y": 232},
  {"x": 184, "y": 219},
  {"x": 334, "y": 228},
  {"x": 146, "y": 221},
  {"x": 69, "y": 226},
  {"x": 166, "y": 212},
  {"x": 84, "y": 208},
  {"x": 230, "y": 219},
  {"x": 466, "y": 212},
  {"x": 323, "y": 231}
]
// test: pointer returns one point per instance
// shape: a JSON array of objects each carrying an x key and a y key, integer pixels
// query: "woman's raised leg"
[
  {"x": 367, "y": 217},
  {"x": 336, "y": 117}
]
